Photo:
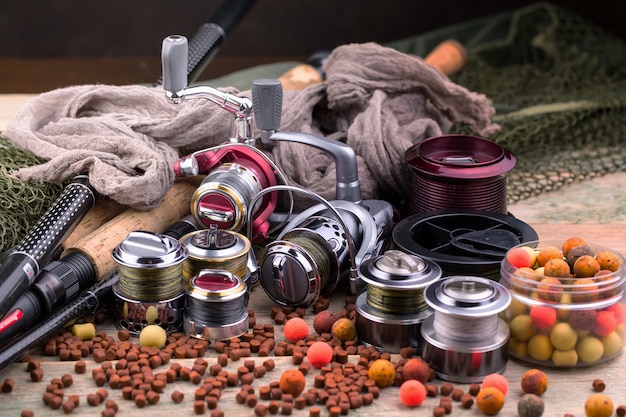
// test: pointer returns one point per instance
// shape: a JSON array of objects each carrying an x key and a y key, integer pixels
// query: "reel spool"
[
  {"x": 458, "y": 171},
  {"x": 236, "y": 173},
  {"x": 465, "y": 340},
  {"x": 150, "y": 289},
  {"x": 216, "y": 307},
  {"x": 217, "y": 249},
  {"x": 389, "y": 315}
]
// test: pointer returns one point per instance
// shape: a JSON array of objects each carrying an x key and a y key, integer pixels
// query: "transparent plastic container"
[{"x": 565, "y": 322}]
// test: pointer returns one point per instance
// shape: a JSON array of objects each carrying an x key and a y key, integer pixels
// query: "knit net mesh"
[{"x": 557, "y": 81}]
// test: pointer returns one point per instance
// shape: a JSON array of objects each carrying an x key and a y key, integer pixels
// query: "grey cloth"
[{"x": 376, "y": 99}]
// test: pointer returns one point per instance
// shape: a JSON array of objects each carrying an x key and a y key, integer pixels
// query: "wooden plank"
[{"x": 567, "y": 391}]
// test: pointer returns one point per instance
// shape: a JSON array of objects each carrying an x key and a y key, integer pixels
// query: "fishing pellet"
[
  {"x": 261, "y": 410},
  {"x": 140, "y": 400},
  {"x": 36, "y": 375},
  {"x": 107, "y": 412},
  {"x": 8, "y": 384},
  {"x": 27, "y": 413},
  {"x": 111, "y": 404},
  {"x": 598, "y": 385},
  {"x": 199, "y": 407},
  {"x": 217, "y": 413},
  {"x": 467, "y": 400},
  {"x": 177, "y": 396},
  {"x": 286, "y": 408},
  {"x": 211, "y": 402},
  {"x": 273, "y": 406},
  {"x": 32, "y": 365}
]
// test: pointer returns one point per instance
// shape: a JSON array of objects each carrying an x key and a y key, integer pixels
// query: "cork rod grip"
[
  {"x": 98, "y": 245},
  {"x": 104, "y": 210}
]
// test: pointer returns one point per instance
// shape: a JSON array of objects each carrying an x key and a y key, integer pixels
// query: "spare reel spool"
[
  {"x": 458, "y": 171},
  {"x": 150, "y": 287},
  {"x": 216, "y": 307},
  {"x": 462, "y": 241},
  {"x": 465, "y": 340},
  {"x": 217, "y": 249},
  {"x": 389, "y": 314}
]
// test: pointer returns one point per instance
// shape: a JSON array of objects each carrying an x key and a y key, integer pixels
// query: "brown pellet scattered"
[
  {"x": 111, "y": 404},
  {"x": 123, "y": 334},
  {"x": 68, "y": 406},
  {"x": 299, "y": 403},
  {"x": 446, "y": 388},
  {"x": 269, "y": 364},
  {"x": 467, "y": 400},
  {"x": 107, "y": 412},
  {"x": 620, "y": 411},
  {"x": 598, "y": 385},
  {"x": 261, "y": 410},
  {"x": 32, "y": 365},
  {"x": 67, "y": 380},
  {"x": 439, "y": 412},
  {"x": 80, "y": 367},
  {"x": 457, "y": 393},
  {"x": 334, "y": 411},
  {"x": 273, "y": 406},
  {"x": 55, "y": 402},
  {"x": 432, "y": 390},
  {"x": 177, "y": 396},
  {"x": 211, "y": 402},
  {"x": 36, "y": 375},
  {"x": 8, "y": 384},
  {"x": 286, "y": 408},
  {"x": 27, "y": 413},
  {"x": 315, "y": 412},
  {"x": 199, "y": 407},
  {"x": 217, "y": 413},
  {"x": 474, "y": 389}
]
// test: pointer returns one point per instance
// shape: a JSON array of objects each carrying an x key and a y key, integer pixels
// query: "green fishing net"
[
  {"x": 21, "y": 204},
  {"x": 558, "y": 84},
  {"x": 557, "y": 81}
]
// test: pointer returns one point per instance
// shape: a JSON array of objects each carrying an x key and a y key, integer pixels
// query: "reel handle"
[
  {"x": 174, "y": 57},
  {"x": 267, "y": 102}
]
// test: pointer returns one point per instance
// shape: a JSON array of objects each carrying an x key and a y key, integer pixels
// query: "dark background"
[{"x": 49, "y": 44}]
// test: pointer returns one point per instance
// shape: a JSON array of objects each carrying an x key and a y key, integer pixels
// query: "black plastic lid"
[{"x": 462, "y": 242}]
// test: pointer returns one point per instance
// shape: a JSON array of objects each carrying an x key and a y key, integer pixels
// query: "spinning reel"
[
  {"x": 236, "y": 171},
  {"x": 320, "y": 245}
]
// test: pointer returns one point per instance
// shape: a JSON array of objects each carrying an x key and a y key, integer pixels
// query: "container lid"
[
  {"x": 467, "y": 296},
  {"x": 143, "y": 249},
  {"x": 398, "y": 270},
  {"x": 462, "y": 241},
  {"x": 460, "y": 156},
  {"x": 214, "y": 243}
]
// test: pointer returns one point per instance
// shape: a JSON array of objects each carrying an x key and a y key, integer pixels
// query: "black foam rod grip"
[
  {"x": 267, "y": 102},
  {"x": 174, "y": 53}
]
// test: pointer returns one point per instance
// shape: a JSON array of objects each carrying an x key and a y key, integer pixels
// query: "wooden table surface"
[{"x": 594, "y": 210}]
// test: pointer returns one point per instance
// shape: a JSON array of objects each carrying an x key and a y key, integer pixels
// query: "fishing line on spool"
[
  {"x": 390, "y": 313},
  {"x": 396, "y": 301},
  {"x": 216, "y": 249},
  {"x": 215, "y": 297},
  {"x": 150, "y": 284},
  {"x": 462, "y": 328},
  {"x": 465, "y": 340},
  {"x": 150, "y": 266},
  {"x": 216, "y": 306}
]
